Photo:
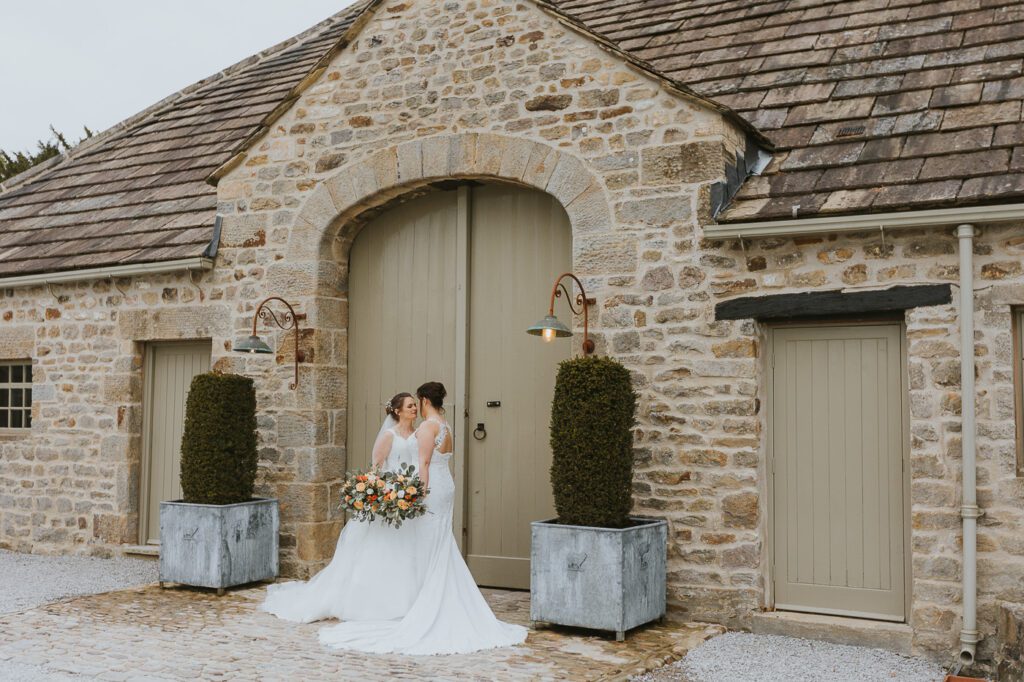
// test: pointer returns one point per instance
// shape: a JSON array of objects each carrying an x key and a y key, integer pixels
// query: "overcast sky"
[{"x": 96, "y": 62}]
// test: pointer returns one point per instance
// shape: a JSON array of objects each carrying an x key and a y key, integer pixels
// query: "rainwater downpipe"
[{"x": 969, "y": 510}]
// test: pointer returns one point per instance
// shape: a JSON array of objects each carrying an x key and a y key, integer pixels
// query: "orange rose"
[
  {"x": 358, "y": 504},
  {"x": 411, "y": 490},
  {"x": 360, "y": 487}
]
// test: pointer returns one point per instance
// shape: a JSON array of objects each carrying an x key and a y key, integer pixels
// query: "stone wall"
[
  {"x": 705, "y": 444},
  {"x": 428, "y": 91},
  {"x": 72, "y": 482},
  {"x": 1010, "y": 655},
  {"x": 500, "y": 91}
]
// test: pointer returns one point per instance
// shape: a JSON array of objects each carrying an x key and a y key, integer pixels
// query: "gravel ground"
[
  {"x": 743, "y": 657},
  {"x": 30, "y": 580},
  {"x": 17, "y": 672}
]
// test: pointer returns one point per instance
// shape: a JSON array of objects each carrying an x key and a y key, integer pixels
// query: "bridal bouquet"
[{"x": 391, "y": 496}]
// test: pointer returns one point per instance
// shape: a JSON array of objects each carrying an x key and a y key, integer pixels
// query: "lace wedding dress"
[
  {"x": 373, "y": 574},
  {"x": 449, "y": 615}
]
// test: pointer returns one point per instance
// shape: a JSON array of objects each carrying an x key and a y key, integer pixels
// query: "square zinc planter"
[
  {"x": 214, "y": 545},
  {"x": 599, "y": 578}
]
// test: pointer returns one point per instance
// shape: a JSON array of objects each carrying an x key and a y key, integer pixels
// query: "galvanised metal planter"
[
  {"x": 599, "y": 578},
  {"x": 213, "y": 545}
]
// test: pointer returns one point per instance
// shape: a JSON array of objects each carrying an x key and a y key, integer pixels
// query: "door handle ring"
[{"x": 481, "y": 430}]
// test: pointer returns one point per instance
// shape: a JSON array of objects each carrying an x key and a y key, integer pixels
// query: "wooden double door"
[{"x": 442, "y": 288}]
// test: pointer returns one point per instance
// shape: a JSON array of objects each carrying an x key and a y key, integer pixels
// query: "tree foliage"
[
  {"x": 13, "y": 163},
  {"x": 592, "y": 419}
]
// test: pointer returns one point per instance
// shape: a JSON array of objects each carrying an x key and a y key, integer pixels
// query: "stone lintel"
[{"x": 833, "y": 303}]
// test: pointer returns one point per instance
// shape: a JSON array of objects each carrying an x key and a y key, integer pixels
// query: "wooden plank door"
[
  {"x": 402, "y": 312},
  {"x": 520, "y": 241},
  {"x": 837, "y": 438},
  {"x": 170, "y": 368}
]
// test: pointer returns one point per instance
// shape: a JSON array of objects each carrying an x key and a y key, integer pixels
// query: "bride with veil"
[
  {"x": 372, "y": 572},
  {"x": 402, "y": 590}
]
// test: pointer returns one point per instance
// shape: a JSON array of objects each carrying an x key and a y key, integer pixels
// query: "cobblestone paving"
[{"x": 180, "y": 633}]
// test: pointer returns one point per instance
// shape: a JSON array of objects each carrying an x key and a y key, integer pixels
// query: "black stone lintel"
[{"x": 833, "y": 303}]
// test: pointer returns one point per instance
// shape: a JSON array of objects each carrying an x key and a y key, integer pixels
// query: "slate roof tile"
[
  {"x": 898, "y": 83},
  {"x": 138, "y": 193},
  {"x": 873, "y": 105}
]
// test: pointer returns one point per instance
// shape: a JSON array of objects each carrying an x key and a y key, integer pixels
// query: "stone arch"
[
  {"x": 314, "y": 273},
  {"x": 371, "y": 182}
]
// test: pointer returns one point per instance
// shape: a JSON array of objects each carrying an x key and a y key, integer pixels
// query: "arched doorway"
[{"x": 443, "y": 287}]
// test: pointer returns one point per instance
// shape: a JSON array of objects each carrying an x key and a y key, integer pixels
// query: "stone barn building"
[{"x": 788, "y": 214}]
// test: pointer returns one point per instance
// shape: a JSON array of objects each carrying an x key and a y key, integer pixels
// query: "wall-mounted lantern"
[
  {"x": 551, "y": 327},
  {"x": 286, "y": 321}
]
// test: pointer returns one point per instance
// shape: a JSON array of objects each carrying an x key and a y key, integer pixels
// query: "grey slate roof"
[
  {"x": 140, "y": 194},
  {"x": 872, "y": 105}
]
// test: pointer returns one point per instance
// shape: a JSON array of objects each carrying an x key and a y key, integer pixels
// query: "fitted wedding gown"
[
  {"x": 372, "y": 575},
  {"x": 449, "y": 615}
]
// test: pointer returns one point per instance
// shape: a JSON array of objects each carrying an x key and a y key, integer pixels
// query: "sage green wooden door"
[
  {"x": 443, "y": 288},
  {"x": 521, "y": 241},
  {"x": 402, "y": 306},
  {"x": 169, "y": 371},
  {"x": 838, "y": 508}
]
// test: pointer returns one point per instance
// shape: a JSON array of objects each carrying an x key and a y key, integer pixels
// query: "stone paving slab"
[{"x": 181, "y": 633}]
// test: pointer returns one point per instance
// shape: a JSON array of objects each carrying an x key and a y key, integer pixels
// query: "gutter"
[
  {"x": 938, "y": 217},
  {"x": 969, "y": 511},
  {"x": 92, "y": 274}
]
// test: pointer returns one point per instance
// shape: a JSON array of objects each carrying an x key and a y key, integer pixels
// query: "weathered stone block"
[{"x": 682, "y": 163}]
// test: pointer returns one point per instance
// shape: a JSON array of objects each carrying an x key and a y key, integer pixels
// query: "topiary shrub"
[
  {"x": 218, "y": 446},
  {"x": 592, "y": 418}
]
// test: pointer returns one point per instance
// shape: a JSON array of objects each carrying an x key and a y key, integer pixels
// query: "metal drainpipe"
[{"x": 969, "y": 510}]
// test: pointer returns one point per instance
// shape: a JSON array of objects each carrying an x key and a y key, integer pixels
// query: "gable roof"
[
  {"x": 873, "y": 105},
  {"x": 137, "y": 193}
]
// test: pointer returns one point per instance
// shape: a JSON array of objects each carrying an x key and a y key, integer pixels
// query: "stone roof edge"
[
  {"x": 866, "y": 221},
  {"x": 317, "y": 70},
  {"x": 368, "y": 11},
  {"x": 677, "y": 87},
  {"x": 104, "y": 135}
]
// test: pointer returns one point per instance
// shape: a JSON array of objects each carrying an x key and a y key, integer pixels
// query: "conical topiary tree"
[
  {"x": 218, "y": 446},
  {"x": 592, "y": 418}
]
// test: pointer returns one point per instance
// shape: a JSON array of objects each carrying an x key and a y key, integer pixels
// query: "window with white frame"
[{"x": 15, "y": 395}]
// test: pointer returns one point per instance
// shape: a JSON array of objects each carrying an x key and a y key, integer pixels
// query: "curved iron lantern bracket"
[{"x": 284, "y": 320}]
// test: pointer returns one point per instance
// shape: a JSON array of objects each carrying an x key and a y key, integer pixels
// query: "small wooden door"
[
  {"x": 169, "y": 371},
  {"x": 838, "y": 506},
  {"x": 521, "y": 241}
]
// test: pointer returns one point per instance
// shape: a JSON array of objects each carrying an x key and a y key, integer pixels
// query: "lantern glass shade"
[
  {"x": 253, "y": 344},
  {"x": 549, "y": 328}
]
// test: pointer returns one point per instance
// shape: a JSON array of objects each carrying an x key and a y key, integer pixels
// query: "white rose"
[{"x": 401, "y": 494}]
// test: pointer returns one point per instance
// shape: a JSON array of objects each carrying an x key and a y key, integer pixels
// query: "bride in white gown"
[
  {"x": 449, "y": 615},
  {"x": 401, "y": 590},
  {"x": 372, "y": 574}
]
